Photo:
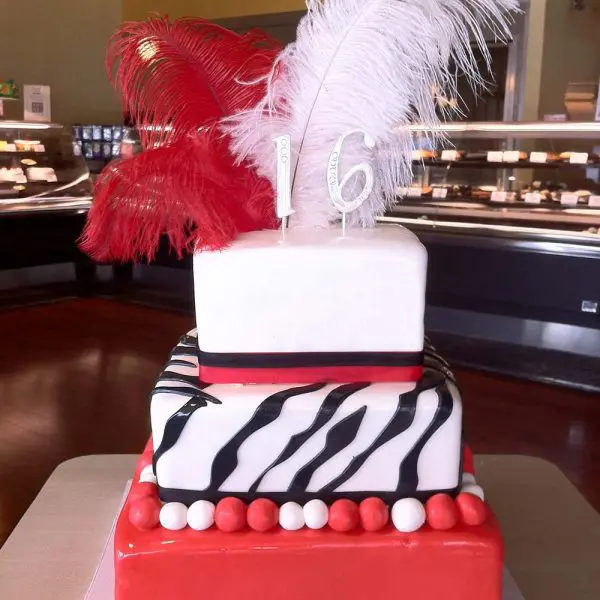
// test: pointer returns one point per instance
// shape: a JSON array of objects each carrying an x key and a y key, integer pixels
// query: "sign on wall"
[{"x": 36, "y": 101}]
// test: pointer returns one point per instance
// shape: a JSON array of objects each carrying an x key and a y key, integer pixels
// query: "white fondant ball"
[
  {"x": 201, "y": 515},
  {"x": 471, "y": 488},
  {"x": 408, "y": 515},
  {"x": 147, "y": 475},
  {"x": 468, "y": 478},
  {"x": 316, "y": 514},
  {"x": 291, "y": 516},
  {"x": 173, "y": 516}
]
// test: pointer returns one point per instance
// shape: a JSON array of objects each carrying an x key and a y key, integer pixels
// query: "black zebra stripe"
[
  {"x": 176, "y": 424},
  {"x": 409, "y": 466},
  {"x": 401, "y": 421},
  {"x": 171, "y": 376},
  {"x": 182, "y": 363},
  {"x": 184, "y": 351},
  {"x": 340, "y": 436},
  {"x": 226, "y": 460},
  {"x": 326, "y": 412}
]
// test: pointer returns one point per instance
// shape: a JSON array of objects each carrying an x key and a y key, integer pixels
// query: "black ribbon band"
[{"x": 310, "y": 359}]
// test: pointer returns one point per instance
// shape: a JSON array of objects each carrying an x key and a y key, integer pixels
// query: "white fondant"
[
  {"x": 280, "y": 477},
  {"x": 315, "y": 291},
  {"x": 173, "y": 516},
  {"x": 316, "y": 514},
  {"x": 448, "y": 438},
  {"x": 408, "y": 515},
  {"x": 201, "y": 515},
  {"x": 468, "y": 478},
  {"x": 291, "y": 516},
  {"x": 189, "y": 462},
  {"x": 147, "y": 475},
  {"x": 374, "y": 421},
  {"x": 474, "y": 489},
  {"x": 259, "y": 451},
  {"x": 438, "y": 463}
]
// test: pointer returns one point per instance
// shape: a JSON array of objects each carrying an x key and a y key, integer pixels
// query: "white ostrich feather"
[{"x": 371, "y": 65}]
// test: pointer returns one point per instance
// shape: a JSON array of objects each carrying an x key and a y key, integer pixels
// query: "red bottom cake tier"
[{"x": 155, "y": 563}]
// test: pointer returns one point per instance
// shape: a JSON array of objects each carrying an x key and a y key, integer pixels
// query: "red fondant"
[
  {"x": 343, "y": 516},
  {"x": 442, "y": 513},
  {"x": 230, "y": 515},
  {"x": 144, "y": 512},
  {"x": 262, "y": 515},
  {"x": 468, "y": 462},
  {"x": 374, "y": 514},
  {"x": 462, "y": 564},
  {"x": 310, "y": 375},
  {"x": 144, "y": 489},
  {"x": 471, "y": 509}
]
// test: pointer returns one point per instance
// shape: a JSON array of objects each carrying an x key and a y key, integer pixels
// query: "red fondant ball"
[
  {"x": 343, "y": 516},
  {"x": 142, "y": 490},
  {"x": 471, "y": 509},
  {"x": 442, "y": 513},
  {"x": 144, "y": 513},
  {"x": 374, "y": 514},
  {"x": 262, "y": 515},
  {"x": 230, "y": 515},
  {"x": 468, "y": 463}
]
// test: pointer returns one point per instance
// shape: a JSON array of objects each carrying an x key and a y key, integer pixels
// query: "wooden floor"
[{"x": 75, "y": 376}]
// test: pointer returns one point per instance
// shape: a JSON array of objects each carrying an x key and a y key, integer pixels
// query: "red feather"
[
  {"x": 178, "y": 80},
  {"x": 177, "y": 77},
  {"x": 190, "y": 191}
]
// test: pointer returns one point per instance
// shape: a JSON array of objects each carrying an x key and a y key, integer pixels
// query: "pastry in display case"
[{"x": 40, "y": 170}]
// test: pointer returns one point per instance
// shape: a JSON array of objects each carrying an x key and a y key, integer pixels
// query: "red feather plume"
[
  {"x": 178, "y": 80},
  {"x": 175, "y": 77},
  {"x": 190, "y": 191}
]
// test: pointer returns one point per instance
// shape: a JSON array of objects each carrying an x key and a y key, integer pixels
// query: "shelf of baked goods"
[
  {"x": 537, "y": 130},
  {"x": 538, "y": 195},
  {"x": 504, "y": 159}
]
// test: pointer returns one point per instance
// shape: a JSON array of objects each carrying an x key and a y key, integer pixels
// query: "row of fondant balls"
[{"x": 441, "y": 512}]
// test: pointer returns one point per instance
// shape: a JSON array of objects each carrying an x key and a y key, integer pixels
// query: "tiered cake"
[
  {"x": 306, "y": 437},
  {"x": 313, "y": 458}
]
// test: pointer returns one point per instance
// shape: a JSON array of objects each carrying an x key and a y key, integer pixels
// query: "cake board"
[{"x": 103, "y": 581}]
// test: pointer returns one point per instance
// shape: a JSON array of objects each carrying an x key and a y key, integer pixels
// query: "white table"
[{"x": 552, "y": 534}]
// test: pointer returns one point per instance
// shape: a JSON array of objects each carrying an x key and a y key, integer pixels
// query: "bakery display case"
[
  {"x": 41, "y": 169},
  {"x": 45, "y": 194},
  {"x": 510, "y": 214}
]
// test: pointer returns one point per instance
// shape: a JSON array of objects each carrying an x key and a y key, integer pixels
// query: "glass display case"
[
  {"x": 45, "y": 195},
  {"x": 510, "y": 216},
  {"x": 521, "y": 180},
  {"x": 41, "y": 170}
]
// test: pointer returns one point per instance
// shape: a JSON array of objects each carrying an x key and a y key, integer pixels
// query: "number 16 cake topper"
[{"x": 336, "y": 187}]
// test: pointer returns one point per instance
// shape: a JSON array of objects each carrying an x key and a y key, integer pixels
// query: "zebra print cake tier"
[{"x": 296, "y": 443}]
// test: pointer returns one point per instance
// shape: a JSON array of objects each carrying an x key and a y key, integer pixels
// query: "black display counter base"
[{"x": 524, "y": 362}]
